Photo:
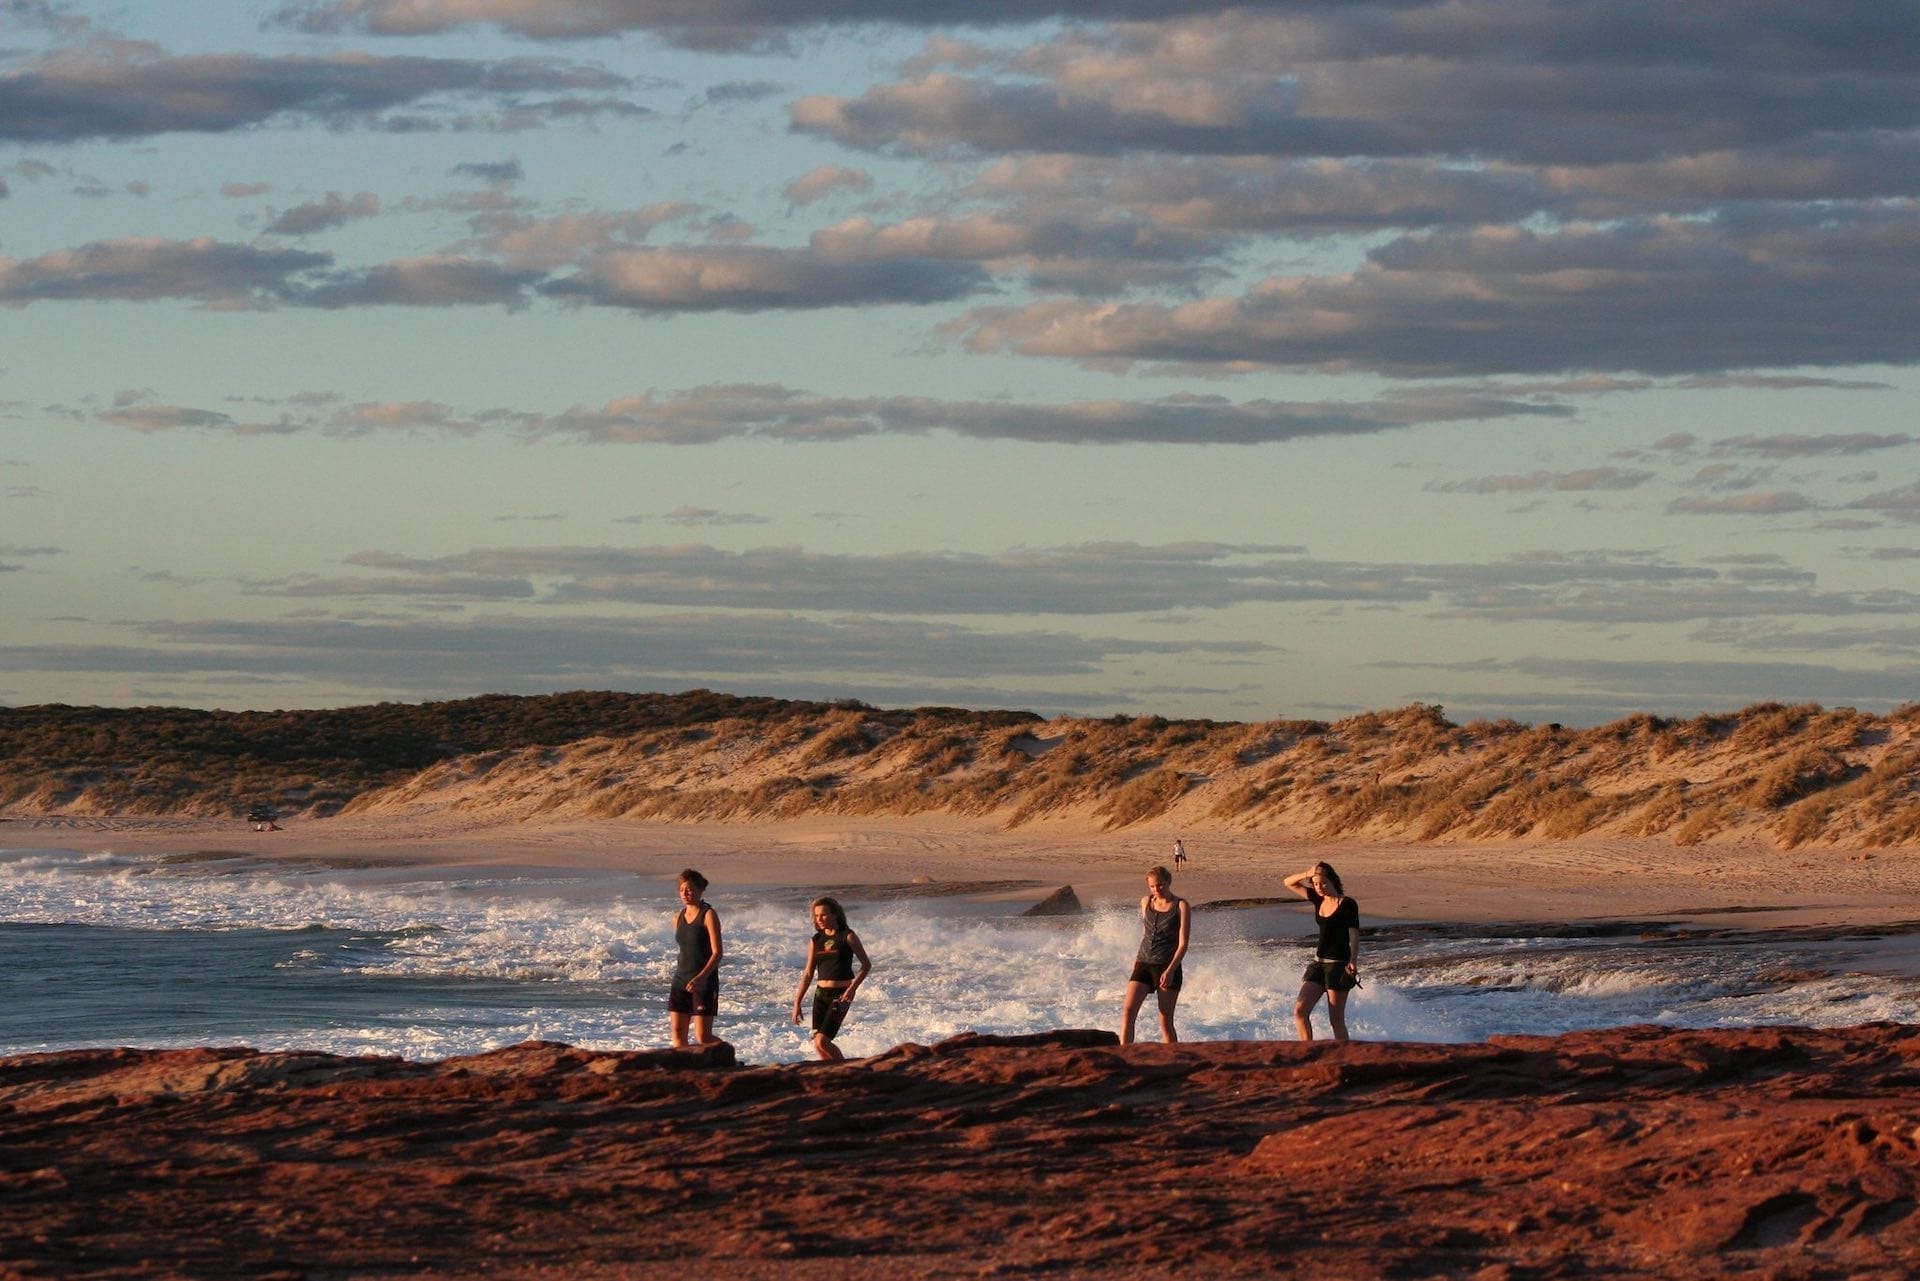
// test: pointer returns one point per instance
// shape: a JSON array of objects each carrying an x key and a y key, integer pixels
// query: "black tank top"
[
  {"x": 1160, "y": 938},
  {"x": 696, "y": 946},
  {"x": 832, "y": 956},
  {"x": 1335, "y": 943}
]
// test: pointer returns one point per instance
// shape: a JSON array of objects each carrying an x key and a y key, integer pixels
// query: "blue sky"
[{"x": 1116, "y": 356}]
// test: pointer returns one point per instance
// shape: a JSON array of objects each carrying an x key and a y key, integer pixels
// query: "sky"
[{"x": 1536, "y": 359}]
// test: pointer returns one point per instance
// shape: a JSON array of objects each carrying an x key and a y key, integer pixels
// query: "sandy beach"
[{"x": 1748, "y": 884}]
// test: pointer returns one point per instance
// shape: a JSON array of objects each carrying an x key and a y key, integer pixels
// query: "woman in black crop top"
[
  {"x": 1335, "y": 968},
  {"x": 1164, "y": 919},
  {"x": 695, "y": 995},
  {"x": 831, "y": 953}
]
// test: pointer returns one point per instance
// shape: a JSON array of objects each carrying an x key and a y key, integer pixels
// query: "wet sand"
[{"x": 1747, "y": 885}]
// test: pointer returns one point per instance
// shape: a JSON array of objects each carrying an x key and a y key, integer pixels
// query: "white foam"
[{"x": 586, "y": 959}]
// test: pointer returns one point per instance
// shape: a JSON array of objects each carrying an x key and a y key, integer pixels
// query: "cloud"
[
  {"x": 1776, "y": 502},
  {"x": 208, "y": 271},
  {"x": 737, "y": 91},
  {"x": 594, "y": 652},
  {"x": 1259, "y": 195},
  {"x": 125, "y": 90},
  {"x": 499, "y": 172},
  {"x": 1524, "y": 82},
  {"x": 1582, "y": 481},
  {"x": 1779, "y": 382},
  {"x": 323, "y": 215},
  {"x": 1099, "y": 252},
  {"x": 440, "y": 281},
  {"x": 142, "y": 417},
  {"x": 1598, "y": 690},
  {"x": 244, "y": 190},
  {"x": 1106, "y": 578},
  {"x": 758, "y": 279},
  {"x": 818, "y": 184},
  {"x": 1791, "y": 445},
  {"x": 707, "y": 415},
  {"x": 720, "y": 24},
  {"x": 1901, "y": 504},
  {"x": 560, "y": 239},
  {"x": 687, "y": 514},
  {"x": 1826, "y": 287}
]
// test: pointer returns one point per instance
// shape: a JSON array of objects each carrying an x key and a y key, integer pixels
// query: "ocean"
[{"x": 427, "y": 962}]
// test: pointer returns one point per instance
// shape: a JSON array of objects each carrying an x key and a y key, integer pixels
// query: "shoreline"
[{"x": 1746, "y": 885}]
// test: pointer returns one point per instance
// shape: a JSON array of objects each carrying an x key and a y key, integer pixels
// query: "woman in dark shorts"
[
  {"x": 831, "y": 953},
  {"x": 1335, "y": 969},
  {"x": 695, "y": 996},
  {"x": 1164, "y": 918}
]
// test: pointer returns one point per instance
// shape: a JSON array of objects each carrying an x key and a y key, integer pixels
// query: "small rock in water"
[{"x": 1062, "y": 902}]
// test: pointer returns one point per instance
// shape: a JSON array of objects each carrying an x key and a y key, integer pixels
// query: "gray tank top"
[{"x": 1161, "y": 937}]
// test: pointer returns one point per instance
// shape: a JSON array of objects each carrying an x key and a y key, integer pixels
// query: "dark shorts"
[
  {"x": 1332, "y": 975},
  {"x": 703, "y": 1001},
  {"x": 828, "y": 1011},
  {"x": 1148, "y": 973}
]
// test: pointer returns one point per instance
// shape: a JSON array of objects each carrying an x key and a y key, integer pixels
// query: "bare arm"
[
  {"x": 1353, "y": 948},
  {"x": 806, "y": 980},
  {"x": 1298, "y": 883},
  {"x": 860, "y": 955},
  {"x": 713, "y": 962},
  {"x": 1180, "y": 948}
]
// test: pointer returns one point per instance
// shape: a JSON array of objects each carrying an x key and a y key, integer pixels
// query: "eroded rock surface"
[{"x": 1640, "y": 1152}]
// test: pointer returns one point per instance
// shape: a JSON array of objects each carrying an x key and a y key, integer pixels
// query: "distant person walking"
[
  {"x": 1164, "y": 924},
  {"x": 1179, "y": 853},
  {"x": 831, "y": 954},
  {"x": 1335, "y": 968},
  {"x": 695, "y": 997}
]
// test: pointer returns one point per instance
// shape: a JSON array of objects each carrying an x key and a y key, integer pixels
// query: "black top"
[
  {"x": 832, "y": 956},
  {"x": 1335, "y": 942},
  {"x": 1160, "y": 938},
  {"x": 696, "y": 945}
]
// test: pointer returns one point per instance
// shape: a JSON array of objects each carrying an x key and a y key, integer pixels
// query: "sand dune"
[{"x": 1796, "y": 776}]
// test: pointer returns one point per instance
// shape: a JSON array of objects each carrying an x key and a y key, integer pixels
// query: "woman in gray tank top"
[{"x": 1164, "y": 920}]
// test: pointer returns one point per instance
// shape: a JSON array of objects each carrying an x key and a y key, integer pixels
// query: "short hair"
[
  {"x": 833, "y": 907},
  {"x": 1161, "y": 874},
  {"x": 693, "y": 878}
]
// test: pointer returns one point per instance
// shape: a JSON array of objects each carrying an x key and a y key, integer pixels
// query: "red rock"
[{"x": 1637, "y": 1152}]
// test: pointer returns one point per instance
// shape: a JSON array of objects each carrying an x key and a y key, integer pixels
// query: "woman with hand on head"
[
  {"x": 831, "y": 953},
  {"x": 1164, "y": 921},
  {"x": 1335, "y": 968},
  {"x": 695, "y": 996}
]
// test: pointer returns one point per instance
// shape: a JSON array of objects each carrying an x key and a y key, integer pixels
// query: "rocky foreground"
[{"x": 1642, "y": 1152}]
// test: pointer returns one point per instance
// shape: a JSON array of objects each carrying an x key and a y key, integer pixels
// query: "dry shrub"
[
  {"x": 1805, "y": 771},
  {"x": 900, "y": 794},
  {"x": 1148, "y": 796},
  {"x": 1575, "y": 812},
  {"x": 1238, "y": 801},
  {"x": 1805, "y": 821},
  {"x": 1765, "y": 724},
  {"x": 1459, "y": 801},
  {"x": 1666, "y": 807},
  {"x": 1361, "y": 806},
  {"x": 1704, "y": 823},
  {"x": 1901, "y": 826},
  {"x": 1523, "y": 805},
  {"x": 840, "y": 738}
]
